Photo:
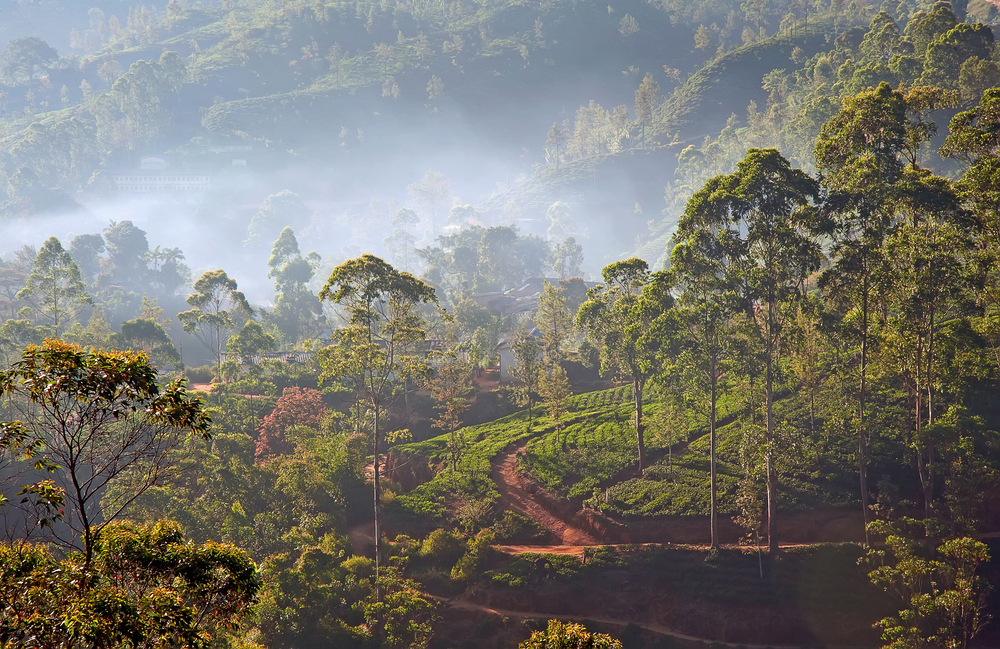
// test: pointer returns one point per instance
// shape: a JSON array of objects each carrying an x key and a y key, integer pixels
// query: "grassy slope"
[
  {"x": 492, "y": 57},
  {"x": 484, "y": 442},
  {"x": 598, "y": 442}
]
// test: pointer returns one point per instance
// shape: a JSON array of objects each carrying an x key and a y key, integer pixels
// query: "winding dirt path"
[
  {"x": 517, "y": 498},
  {"x": 577, "y": 550},
  {"x": 466, "y": 605}
]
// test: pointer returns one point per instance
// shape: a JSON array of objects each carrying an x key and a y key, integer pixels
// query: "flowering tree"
[{"x": 296, "y": 407}]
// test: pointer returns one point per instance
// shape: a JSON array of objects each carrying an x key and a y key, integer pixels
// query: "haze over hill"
[{"x": 484, "y": 132}]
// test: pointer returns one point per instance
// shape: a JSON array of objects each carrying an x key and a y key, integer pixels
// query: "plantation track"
[
  {"x": 569, "y": 527},
  {"x": 515, "y": 497},
  {"x": 577, "y": 550},
  {"x": 466, "y": 605}
]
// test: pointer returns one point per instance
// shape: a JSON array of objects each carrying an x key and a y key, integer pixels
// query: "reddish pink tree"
[{"x": 296, "y": 407}]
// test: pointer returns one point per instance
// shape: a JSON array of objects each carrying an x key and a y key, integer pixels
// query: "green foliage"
[
  {"x": 590, "y": 450},
  {"x": 442, "y": 545},
  {"x": 106, "y": 425},
  {"x": 203, "y": 374},
  {"x": 559, "y": 635},
  {"x": 476, "y": 555},
  {"x": 943, "y": 597},
  {"x": 297, "y": 311},
  {"x": 322, "y": 595},
  {"x": 54, "y": 287},
  {"x": 138, "y": 107},
  {"x": 513, "y": 527},
  {"x": 554, "y": 323},
  {"x": 527, "y": 368},
  {"x": 480, "y": 260},
  {"x": 282, "y": 210},
  {"x": 127, "y": 247},
  {"x": 483, "y": 443},
  {"x": 251, "y": 340},
  {"x": 554, "y": 388},
  {"x": 145, "y": 335},
  {"x": 145, "y": 584},
  {"x": 628, "y": 320},
  {"x": 23, "y": 57},
  {"x": 286, "y": 503},
  {"x": 85, "y": 249},
  {"x": 217, "y": 307}
]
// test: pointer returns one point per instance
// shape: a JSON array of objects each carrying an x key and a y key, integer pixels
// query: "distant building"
[
  {"x": 257, "y": 359},
  {"x": 532, "y": 287},
  {"x": 505, "y": 354},
  {"x": 517, "y": 300},
  {"x": 153, "y": 180}
]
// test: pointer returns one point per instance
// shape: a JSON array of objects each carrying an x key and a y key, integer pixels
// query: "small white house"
[
  {"x": 157, "y": 181},
  {"x": 506, "y": 356}
]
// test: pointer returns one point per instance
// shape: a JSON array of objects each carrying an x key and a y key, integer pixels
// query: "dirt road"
[
  {"x": 515, "y": 497},
  {"x": 466, "y": 605}
]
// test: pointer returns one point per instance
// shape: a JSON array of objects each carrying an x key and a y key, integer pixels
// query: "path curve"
[
  {"x": 466, "y": 605},
  {"x": 577, "y": 550},
  {"x": 515, "y": 497}
]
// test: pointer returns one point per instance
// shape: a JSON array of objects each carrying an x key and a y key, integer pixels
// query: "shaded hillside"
[
  {"x": 728, "y": 84},
  {"x": 626, "y": 189}
]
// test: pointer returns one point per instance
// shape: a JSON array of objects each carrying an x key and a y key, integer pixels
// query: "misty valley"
[{"x": 483, "y": 324}]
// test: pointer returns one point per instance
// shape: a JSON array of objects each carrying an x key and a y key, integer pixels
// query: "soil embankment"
[{"x": 565, "y": 520}]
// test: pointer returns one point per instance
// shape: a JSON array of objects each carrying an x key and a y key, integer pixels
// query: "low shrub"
[
  {"x": 477, "y": 554},
  {"x": 203, "y": 374},
  {"x": 442, "y": 545},
  {"x": 517, "y": 528}
]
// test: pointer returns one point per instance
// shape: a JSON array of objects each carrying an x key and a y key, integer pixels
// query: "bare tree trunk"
[
  {"x": 637, "y": 396},
  {"x": 930, "y": 371},
  {"x": 713, "y": 379},
  {"x": 862, "y": 421},
  {"x": 376, "y": 493},
  {"x": 930, "y": 412},
  {"x": 772, "y": 477},
  {"x": 812, "y": 412},
  {"x": 923, "y": 465}
]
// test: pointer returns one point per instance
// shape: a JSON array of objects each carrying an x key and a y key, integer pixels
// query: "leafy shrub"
[
  {"x": 471, "y": 563},
  {"x": 203, "y": 374},
  {"x": 604, "y": 556},
  {"x": 474, "y": 513},
  {"x": 442, "y": 545},
  {"x": 569, "y": 636},
  {"x": 404, "y": 548},
  {"x": 505, "y": 579},
  {"x": 516, "y": 528},
  {"x": 360, "y": 567}
]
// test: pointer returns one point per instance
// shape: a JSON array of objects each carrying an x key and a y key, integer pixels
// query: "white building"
[{"x": 154, "y": 178}]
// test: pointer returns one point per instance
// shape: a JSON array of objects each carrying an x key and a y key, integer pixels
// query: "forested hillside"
[{"x": 422, "y": 323}]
